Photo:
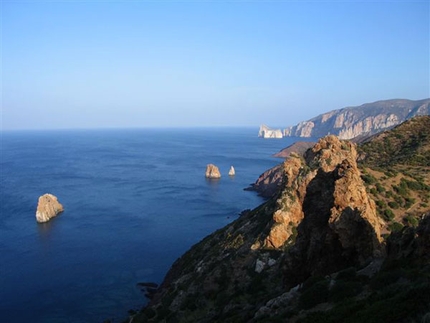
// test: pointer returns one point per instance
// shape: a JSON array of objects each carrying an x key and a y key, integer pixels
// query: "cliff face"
[
  {"x": 266, "y": 132},
  {"x": 367, "y": 119},
  {"x": 321, "y": 221}
]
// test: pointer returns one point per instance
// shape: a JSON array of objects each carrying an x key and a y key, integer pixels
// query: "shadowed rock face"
[
  {"x": 47, "y": 208},
  {"x": 322, "y": 188},
  {"x": 339, "y": 228}
]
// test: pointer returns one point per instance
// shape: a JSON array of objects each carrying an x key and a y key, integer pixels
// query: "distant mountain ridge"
[{"x": 363, "y": 120}]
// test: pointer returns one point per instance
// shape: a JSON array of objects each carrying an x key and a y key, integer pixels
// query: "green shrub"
[
  {"x": 388, "y": 215},
  {"x": 381, "y": 204},
  {"x": 412, "y": 221},
  {"x": 368, "y": 179},
  {"x": 380, "y": 188},
  {"x": 389, "y": 194},
  {"x": 393, "y": 205},
  {"x": 395, "y": 227}
]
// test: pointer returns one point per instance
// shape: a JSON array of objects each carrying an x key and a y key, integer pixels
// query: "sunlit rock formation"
[
  {"x": 47, "y": 208},
  {"x": 212, "y": 171},
  {"x": 266, "y": 132}
]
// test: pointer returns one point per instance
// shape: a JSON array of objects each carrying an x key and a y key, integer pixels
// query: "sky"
[{"x": 123, "y": 64}]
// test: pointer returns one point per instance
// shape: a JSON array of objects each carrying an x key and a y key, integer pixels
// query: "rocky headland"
[
  {"x": 47, "y": 208},
  {"x": 343, "y": 237},
  {"x": 266, "y": 132},
  {"x": 364, "y": 120}
]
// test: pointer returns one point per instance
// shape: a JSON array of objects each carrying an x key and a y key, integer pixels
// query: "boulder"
[
  {"x": 212, "y": 171},
  {"x": 47, "y": 208}
]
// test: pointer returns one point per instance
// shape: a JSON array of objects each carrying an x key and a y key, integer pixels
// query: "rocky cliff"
[
  {"x": 366, "y": 119},
  {"x": 266, "y": 132},
  {"x": 319, "y": 249},
  {"x": 320, "y": 221}
]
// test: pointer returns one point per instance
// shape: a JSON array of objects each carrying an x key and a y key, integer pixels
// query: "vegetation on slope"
[
  {"x": 395, "y": 167},
  {"x": 230, "y": 277}
]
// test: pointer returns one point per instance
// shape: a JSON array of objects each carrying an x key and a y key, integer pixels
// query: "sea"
[{"x": 135, "y": 200}]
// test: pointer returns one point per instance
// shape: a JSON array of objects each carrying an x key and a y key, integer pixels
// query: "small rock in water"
[
  {"x": 212, "y": 171},
  {"x": 47, "y": 208},
  {"x": 231, "y": 172}
]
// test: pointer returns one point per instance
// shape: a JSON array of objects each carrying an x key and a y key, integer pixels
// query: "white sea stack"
[{"x": 231, "y": 172}]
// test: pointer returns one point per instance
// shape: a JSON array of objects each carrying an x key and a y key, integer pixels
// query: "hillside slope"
[
  {"x": 323, "y": 248},
  {"x": 367, "y": 119}
]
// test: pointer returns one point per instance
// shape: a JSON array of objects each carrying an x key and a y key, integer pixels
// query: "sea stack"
[
  {"x": 212, "y": 171},
  {"x": 231, "y": 172},
  {"x": 47, "y": 208}
]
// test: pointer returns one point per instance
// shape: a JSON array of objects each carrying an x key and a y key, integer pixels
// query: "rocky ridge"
[{"x": 367, "y": 119}]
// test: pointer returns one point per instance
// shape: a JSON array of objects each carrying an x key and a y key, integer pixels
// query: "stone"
[
  {"x": 231, "y": 172},
  {"x": 212, "y": 171},
  {"x": 47, "y": 208},
  {"x": 259, "y": 266}
]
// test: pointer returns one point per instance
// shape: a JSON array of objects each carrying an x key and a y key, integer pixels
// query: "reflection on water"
[
  {"x": 45, "y": 230},
  {"x": 213, "y": 181}
]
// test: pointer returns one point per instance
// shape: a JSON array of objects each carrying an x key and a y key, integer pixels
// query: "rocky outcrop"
[
  {"x": 212, "y": 171},
  {"x": 266, "y": 132},
  {"x": 268, "y": 183},
  {"x": 326, "y": 183},
  {"x": 367, "y": 119},
  {"x": 47, "y": 208},
  {"x": 319, "y": 221},
  {"x": 231, "y": 172}
]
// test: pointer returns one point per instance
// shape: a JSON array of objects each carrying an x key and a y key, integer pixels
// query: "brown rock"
[
  {"x": 47, "y": 208},
  {"x": 324, "y": 193},
  {"x": 269, "y": 182},
  {"x": 212, "y": 171}
]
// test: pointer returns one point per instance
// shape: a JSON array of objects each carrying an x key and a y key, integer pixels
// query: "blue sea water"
[{"x": 135, "y": 200}]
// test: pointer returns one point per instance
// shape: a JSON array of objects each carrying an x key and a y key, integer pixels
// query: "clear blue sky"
[{"x": 93, "y": 64}]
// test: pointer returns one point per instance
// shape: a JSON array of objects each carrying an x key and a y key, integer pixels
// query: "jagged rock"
[
  {"x": 231, "y": 172},
  {"x": 212, "y": 171},
  {"x": 47, "y": 208}
]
